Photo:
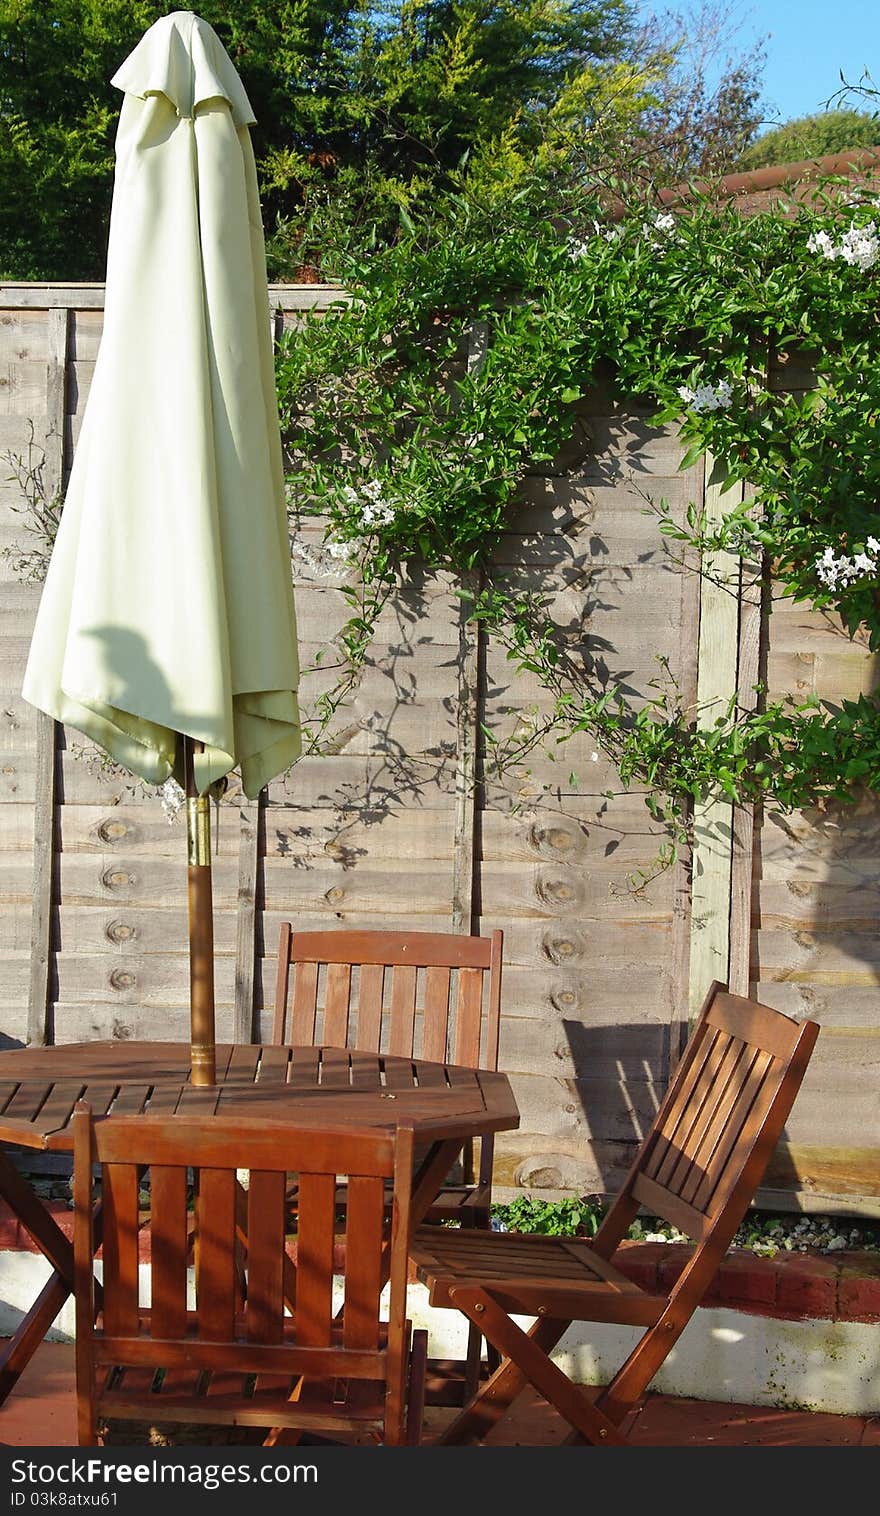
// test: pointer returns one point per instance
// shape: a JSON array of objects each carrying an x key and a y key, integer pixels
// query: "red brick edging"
[{"x": 795, "y": 1286}]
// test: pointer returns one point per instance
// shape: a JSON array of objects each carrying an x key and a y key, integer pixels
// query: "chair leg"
[
  {"x": 472, "y": 1362},
  {"x": 500, "y": 1390},
  {"x": 536, "y": 1366},
  {"x": 478, "y": 1219},
  {"x": 418, "y": 1375}
]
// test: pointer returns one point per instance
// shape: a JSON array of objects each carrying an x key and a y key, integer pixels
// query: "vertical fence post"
[
  {"x": 464, "y": 913},
  {"x": 713, "y": 818},
  {"x": 742, "y": 862},
  {"x": 249, "y": 843},
  {"x": 682, "y": 872},
  {"x": 52, "y": 475}
]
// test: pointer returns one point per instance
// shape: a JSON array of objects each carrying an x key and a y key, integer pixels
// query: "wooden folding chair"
[
  {"x": 434, "y": 995},
  {"x": 284, "y": 1357},
  {"x": 698, "y": 1168}
]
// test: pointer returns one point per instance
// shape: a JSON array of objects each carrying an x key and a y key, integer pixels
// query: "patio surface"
[{"x": 41, "y": 1413}]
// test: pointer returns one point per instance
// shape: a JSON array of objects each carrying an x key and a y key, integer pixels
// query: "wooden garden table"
[{"x": 39, "y": 1088}]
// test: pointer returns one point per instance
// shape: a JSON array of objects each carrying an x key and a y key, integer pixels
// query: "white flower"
[
  {"x": 172, "y": 798},
  {"x": 820, "y": 242},
  {"x": 838, "y": 572},
  {"x": 373, "y": 489},
  {"x": 707, "y": 397},
  {"x": 349, "y": 495},
  {"x": 578, "y": 247},
  {"x": 338, "y": 549},
  {"x": 662, "y": 223},
  {"x": 859, "y": 247},
  {"x": 594, "y": 757},
  {"x": 378, "y": 513},
  {"x": 873, "y": 545}
]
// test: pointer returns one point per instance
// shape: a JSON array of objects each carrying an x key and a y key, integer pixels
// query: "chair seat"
[
  {"x": 552, "y": 1276},
  {"x": 459, "y": 1201}
]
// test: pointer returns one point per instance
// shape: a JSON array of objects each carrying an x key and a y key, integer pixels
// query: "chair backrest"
[
  {"x": 289, "y": 1323},
  {"x": 433, "y": 995},
  {"x": 718, "y": 1124}
]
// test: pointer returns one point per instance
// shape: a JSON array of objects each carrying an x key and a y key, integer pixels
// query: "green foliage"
[
  {"x": 414, "y": 455},
  {"x": 759, "y": 1231},
  {"x": 551, "y": 1218},
  {"x": 817, "y": 136},
  {"x": 364, "y": 112},
  {"x": 357, "y": 105}
]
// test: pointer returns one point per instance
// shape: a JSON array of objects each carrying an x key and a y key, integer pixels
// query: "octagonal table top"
[{"x": 321, "y": 1086}]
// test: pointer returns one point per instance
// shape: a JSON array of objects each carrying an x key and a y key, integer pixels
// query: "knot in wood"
[
  {"x": 121, "y": 931},
  {"x": 563, "y": 838},
  {"x": 563, "y": 890},
  {"x": 563, "y": 946},
  {"x": 113, "y": 830}
]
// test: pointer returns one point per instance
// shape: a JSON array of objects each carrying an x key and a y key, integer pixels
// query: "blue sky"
[{"x": 810, "y": 41}]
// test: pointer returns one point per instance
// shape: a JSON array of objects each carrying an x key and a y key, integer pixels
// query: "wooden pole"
[{"x": 201, "y": 925}]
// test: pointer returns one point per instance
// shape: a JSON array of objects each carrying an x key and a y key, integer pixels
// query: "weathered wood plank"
[
  {"x": 245, "y": 942},
  {"x": 99, "y": 1021},
  {"x": 24, "y": 334},
  {"x": 39, "y": 1007},
  {"x": 467, "y": 795},
  {"x": 713, "y": 818},
  {"x": 160, "y": 980},
  {"x": 23, "y": 388},
  {"x": 743, "y": 816}
]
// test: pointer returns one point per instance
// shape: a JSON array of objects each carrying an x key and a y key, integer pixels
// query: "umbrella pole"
[{"x": 201, "y": 925}]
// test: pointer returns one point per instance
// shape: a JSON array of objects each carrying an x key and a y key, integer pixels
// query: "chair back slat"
[
  {"x": 337, "y": 1005},
  {"x": 169, "y": 1248},
  {"x": 718, "y": 1172},
  {"x": 435, "y": 1031},
  {"x": 364, "y": 1230},
  {"x": 665, "y": 1145},
  {"x": 371, "y": 986},
  {"x": 735, "y": 1073},
  {"x": 430, "y": 995},
  {"x": 468, "y": 1018},
  {"x": 305, "y": 1002},
  {"x": 314, "y": 1259},
  {"x": 265, "y": 1256},
  {"x": 724, "y": 1072},
  {"x": 119, "y": 1190},
  {"x": 216, "y": 1284},
  {"x": 729, "y": 1095},
  {"x": 403, "y": 1011}
]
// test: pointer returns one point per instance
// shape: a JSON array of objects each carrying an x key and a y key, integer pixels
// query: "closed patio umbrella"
[{"x": 166, "y": 628}]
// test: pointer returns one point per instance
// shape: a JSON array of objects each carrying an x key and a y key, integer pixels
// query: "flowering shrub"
[{"x": 413, "y": 409}]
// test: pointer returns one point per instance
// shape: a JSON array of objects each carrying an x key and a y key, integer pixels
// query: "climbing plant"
[{"x": 454, "y": 364}]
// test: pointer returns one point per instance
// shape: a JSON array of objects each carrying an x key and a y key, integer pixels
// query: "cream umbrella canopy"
[{"x": 166, "y": 629}]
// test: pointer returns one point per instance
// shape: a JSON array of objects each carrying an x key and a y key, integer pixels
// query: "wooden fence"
[{"x": 400, "y": 826}]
